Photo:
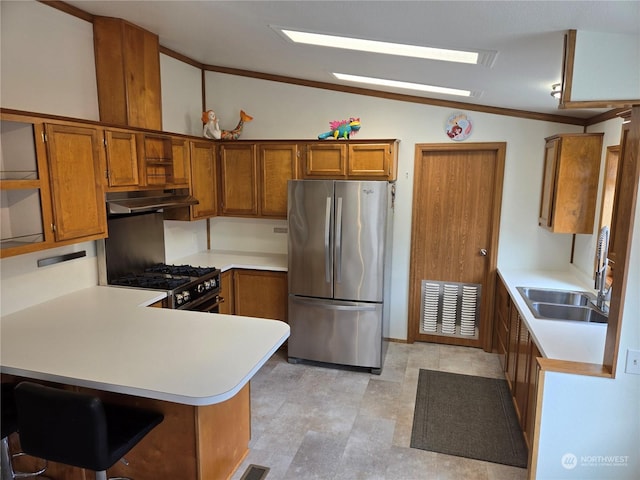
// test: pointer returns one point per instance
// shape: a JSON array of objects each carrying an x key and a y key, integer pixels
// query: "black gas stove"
[{"x": 187, "y": 287}]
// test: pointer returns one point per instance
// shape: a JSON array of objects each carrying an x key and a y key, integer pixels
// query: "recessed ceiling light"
[
  {"x": 406, "y": 85},
  {"x": 482, "y": 57}
]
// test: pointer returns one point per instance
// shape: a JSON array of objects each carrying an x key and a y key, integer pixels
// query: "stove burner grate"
[{"x": 181, "y": 270}]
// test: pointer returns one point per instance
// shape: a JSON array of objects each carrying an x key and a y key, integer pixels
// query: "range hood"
[{"x": 137, "y": 202}]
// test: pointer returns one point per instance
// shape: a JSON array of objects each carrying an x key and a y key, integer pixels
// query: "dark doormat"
[{"x": 467, "y": 416}]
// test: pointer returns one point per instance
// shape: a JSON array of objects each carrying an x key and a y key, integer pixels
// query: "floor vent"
[
  {"x": 255, "y": 472},
  {"x": 450, "y": 308}
]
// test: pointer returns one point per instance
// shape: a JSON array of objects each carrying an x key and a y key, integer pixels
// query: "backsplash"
[{"x": 249, "y": 235}]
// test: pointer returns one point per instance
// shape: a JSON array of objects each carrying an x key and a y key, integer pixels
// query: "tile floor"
[{"x": 310, "y": 422}]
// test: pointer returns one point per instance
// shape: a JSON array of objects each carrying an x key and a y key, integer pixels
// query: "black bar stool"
[
  {"x": 78, "y": 429},
  {"x": 9, "y": 425}
]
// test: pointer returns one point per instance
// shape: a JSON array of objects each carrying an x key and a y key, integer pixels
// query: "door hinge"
[
  {"x": 53, "y": 227},
  {"x": 44, "y": 137}
]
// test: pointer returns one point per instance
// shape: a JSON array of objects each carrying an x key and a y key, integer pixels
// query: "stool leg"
[{"x": 5, "y": 459}]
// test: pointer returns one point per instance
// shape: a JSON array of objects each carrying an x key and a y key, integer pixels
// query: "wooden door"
[
  {"x": 122, "y": 158},
  {"x": 239, "y": 184},
  {"x": 456, "y": 213},
  {"x": 203, "y": 180},
  {"x": 277, "y": 164},
  {"x": 75, "y": 169}
]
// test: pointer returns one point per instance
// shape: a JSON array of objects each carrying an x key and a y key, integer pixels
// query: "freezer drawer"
[{"x": 345, "y": 333}]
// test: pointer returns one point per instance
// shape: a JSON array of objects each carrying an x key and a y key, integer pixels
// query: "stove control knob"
[
  {"x": 200, "y": 288},
  {"x": 207, "y": 285},
  {"x": 179, "y": 299},
  {"x": 186, "y": 295}
]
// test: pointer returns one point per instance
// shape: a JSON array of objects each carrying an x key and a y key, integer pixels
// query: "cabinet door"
[
  {"x": 75, "y": 166},
  {"x": 180, "y": 151},
  {"x": 239, "y": 184},
  {"x": 512, "y": 349},
  {"x": 369, "y": 160},
  {"x": 278, "y": 165},
  {"x": 226, "y": 292},
  {"x": 127, "y": 73},
  {"x": 24, "y": 186},
  {"x": 325, "y": 160},
  {"x": 261, "y": 294},
  {"x": 501, "y": 322},
  {"x": 548, "y": 183},
  {"x": 204, "y": 186},
  {"x": 522, "y": 373},
  {"x": 122, "y": 158},
  {"x": 534, "y": 353}
]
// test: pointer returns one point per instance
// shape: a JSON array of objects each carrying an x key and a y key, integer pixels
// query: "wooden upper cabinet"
[
  {"x": 371, "y": 160},
  {"x": 570, "y": 182},
  {"x": 77, "y": 187},
  {"x": 128, "y": 73},
  {"x": 325, "y": 160},
  {"x": 122, "y": 158},
  {"x": 362, "y": 160},
  {"x": 25, "y": 224},
  {"x": 239, "y": 179},
  {"x": 277, "y": 163}
]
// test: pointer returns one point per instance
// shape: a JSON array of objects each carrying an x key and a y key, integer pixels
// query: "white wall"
[
  {"x": 47, "y": 61},
  {"x": 181, "y": 86}
]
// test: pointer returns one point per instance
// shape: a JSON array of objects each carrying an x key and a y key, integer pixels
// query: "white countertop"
[
  {"x": 105, "y": 338},
  {"x": 226, "y": 260},
  {"x": 556, "y": 339}
]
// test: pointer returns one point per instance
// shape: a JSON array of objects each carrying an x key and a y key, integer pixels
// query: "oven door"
[{"x": 210, "y": 304}]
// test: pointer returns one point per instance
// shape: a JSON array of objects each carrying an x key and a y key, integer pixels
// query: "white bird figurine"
[{"x": 212, "y": 129}]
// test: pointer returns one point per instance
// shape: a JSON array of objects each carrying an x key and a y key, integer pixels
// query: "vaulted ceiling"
[{"x": 527, "y": 36}]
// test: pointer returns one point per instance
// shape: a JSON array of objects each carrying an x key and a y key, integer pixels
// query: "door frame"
[{"x": 485, "y": 337}]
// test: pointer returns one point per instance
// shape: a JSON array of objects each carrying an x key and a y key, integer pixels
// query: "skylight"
[
  {"x": 373, "y": 46},
  {"x": 407, "y": 85}
]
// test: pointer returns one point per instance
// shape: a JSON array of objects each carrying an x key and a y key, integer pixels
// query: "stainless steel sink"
[
  {"x": 568, "y": 312},
  {"x": 562, "y": 297},
  {"x": 571, "y": 305}
]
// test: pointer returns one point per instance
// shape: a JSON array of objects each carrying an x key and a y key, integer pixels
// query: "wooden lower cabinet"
[
  {"x": 520, "y": 360},
  {"x": 260, "y": 293},
  {"x": 226, "y": 292}
]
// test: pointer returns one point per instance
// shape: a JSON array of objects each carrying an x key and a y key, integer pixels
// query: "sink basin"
[
  {"x": 549, "y": 304},
  {"x": 562, "y": 297},
  {"x": 567, "y": 312}
]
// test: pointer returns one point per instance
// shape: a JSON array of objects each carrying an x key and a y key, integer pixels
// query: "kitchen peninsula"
[{"x": 194, "y": 367}]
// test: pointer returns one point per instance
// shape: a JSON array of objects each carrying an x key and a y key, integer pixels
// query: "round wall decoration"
[{"x": 459, "y": 127}]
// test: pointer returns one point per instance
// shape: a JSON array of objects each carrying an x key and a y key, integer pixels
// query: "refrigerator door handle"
[
  {"x": 328, "y": 306},
  {"x": 339, "y": 241},
  {"x": 327, "y": 251}
]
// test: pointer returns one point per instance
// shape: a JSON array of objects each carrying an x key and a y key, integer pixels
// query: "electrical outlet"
[
  {"x": 280, "y": 230},
  {"x": 633, "y": 361}
]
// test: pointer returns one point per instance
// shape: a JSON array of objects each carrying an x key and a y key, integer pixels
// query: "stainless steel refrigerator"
[{"x": 339, "y": 252}]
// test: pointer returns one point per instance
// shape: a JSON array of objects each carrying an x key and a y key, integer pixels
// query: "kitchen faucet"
[{"x": 602, "y": 263}]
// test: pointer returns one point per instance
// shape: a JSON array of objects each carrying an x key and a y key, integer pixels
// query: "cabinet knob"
[{"x": 483, "y": 252}]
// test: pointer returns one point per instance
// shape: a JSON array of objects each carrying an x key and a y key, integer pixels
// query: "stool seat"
[
  {"x": 77, "y": 428},
  {"x": 8, "y": 426}
]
